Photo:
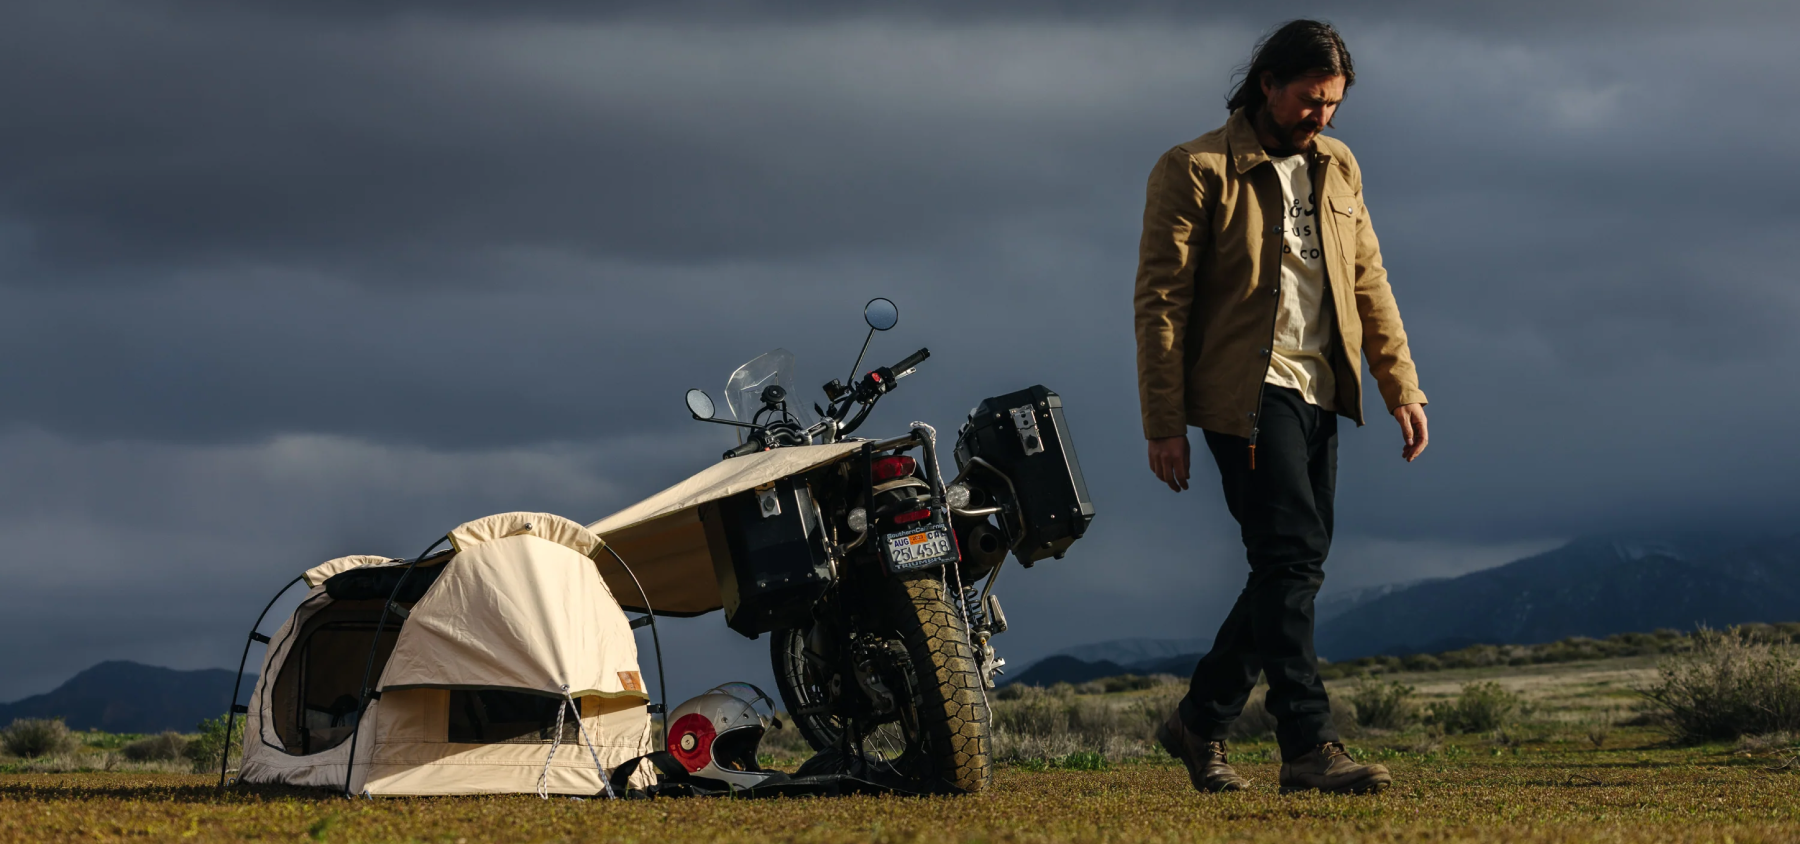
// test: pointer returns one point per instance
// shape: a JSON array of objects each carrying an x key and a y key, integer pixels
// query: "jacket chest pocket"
[{"x": 1344, "y": 208}]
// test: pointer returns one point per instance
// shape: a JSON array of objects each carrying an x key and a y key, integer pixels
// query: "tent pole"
[
  {"x": 369, "y": 666},
  {"x": 237, "y": 685},
  {"x": 662, "y": 679}
]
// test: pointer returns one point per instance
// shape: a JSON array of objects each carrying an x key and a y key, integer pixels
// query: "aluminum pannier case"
[{"x": 1024, "y": 438}]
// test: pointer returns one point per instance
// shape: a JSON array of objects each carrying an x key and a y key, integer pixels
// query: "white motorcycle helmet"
[{"x": 716, "y": 735}]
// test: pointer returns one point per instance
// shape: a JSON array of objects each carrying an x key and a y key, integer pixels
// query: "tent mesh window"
[
  {"x": 498, "y": 716},
  {"x": 316, "y": 694}
]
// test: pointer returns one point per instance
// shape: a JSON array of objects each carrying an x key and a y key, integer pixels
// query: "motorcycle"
[{"x": 873, "y": 573}]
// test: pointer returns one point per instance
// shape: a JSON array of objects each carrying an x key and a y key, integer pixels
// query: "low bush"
[
  {"x": 1255, "y": 723},
  {"x": 1769, "y": 743},
  {"x": 1124, "y": 683},
  {"x": 207, "y": 750},
  {"x": 1047, "y": 727},
  {"x": 34, "y": 737},
  {"x": 100, "y": 740},
  {"x": 165, "y": 747},
  {"x": 1383, "y": 704},
  {"x": 1480, "y": 708},
  {"x": 1732, "y": 683},
  {"x": 1597, "y": 731}
]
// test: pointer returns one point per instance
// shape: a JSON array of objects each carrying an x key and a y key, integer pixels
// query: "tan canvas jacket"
[{"x": 1209, "y": 268}]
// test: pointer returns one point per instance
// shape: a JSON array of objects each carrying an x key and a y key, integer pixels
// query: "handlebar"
[
  {"x": 873, "y": 386},
  {"x": 749, "y": 447},
  {"x": 911, "y": 361}
]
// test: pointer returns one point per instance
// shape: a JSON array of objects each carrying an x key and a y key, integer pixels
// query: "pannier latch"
[
  {"x": 768, "y": 502},
  {"x": 1025, "y": 424}
]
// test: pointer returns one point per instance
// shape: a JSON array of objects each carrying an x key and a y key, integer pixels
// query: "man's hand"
[
  {"x": 1169, "y": 460},
  {"x": 1412, "y": 427}
]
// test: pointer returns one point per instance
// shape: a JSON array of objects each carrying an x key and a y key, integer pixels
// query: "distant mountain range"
[
  {"x": 1110, "y": 659},
  {"x": 129, "y": 697},
  {"x": 1329, "y": 606},
  {"x": 1133, "y": 651},
  {"x": 1590, "y": 587}
]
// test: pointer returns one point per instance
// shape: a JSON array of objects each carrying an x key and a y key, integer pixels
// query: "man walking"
[{"x": 1259, "y": 289}]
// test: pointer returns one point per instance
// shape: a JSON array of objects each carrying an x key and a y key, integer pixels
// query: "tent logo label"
[{"x": 631, "y": 681}]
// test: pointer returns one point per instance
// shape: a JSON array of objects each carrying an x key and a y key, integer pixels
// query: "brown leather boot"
[
  {"x": 1329, "y": 768},
  {"x": 1205, "y": 760}
]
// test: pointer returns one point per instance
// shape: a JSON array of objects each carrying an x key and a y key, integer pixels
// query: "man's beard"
[{"x": 1297, "y": 136}]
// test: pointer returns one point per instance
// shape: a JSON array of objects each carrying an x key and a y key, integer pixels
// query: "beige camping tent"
[
  {"x": 516, "y": 630},
  {"x": 662, "y": 539}
]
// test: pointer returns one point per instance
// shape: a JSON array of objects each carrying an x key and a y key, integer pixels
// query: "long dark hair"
[{"x": 1294, "y": 49}]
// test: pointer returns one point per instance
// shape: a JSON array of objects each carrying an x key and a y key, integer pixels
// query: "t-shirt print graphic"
[
  {"x": 1301, "y": 329},
  {"x": 1300, "y": 231}
]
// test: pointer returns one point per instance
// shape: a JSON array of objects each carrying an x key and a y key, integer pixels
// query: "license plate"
[{"x": 927, "y": 546}]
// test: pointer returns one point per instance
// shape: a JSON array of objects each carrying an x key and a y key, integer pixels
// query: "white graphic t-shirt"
[{"x": 1302, "y": 329}]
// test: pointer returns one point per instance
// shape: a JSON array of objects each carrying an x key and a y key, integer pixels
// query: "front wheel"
[{"x": 942, "y": 741}]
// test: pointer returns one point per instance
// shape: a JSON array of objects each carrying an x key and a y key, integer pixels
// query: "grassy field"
[{"x": 1551, "y": 776}]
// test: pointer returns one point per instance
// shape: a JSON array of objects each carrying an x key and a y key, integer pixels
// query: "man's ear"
[{"x": 1267, "y": 81}]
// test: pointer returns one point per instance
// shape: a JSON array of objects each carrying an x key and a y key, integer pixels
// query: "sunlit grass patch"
[{"x": 1552, "y": 791}]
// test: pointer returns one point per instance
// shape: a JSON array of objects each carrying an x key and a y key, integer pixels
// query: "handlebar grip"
[
  {"x": 749, "y": 447},
  {"x": 911, "y": 361}
]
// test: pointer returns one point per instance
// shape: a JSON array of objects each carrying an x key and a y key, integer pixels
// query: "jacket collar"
[{"x": 1246, "y": 151}]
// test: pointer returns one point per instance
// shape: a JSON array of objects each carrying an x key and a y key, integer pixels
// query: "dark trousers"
[{"x": 1283, "y": 508}]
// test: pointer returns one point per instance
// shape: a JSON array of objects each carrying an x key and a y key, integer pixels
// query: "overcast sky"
[{"x": 285, "y": 281}]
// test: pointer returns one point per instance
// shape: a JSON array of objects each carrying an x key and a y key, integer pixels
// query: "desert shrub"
[
  {"x": 1422, "y": 662},
  {"x": 1597, "y": 731},
  {"x": 165, "y": 747},
  {"x": 1047, "y": 728},
  {"x": 1127, "y": 682},
  {"x": 101, "y": 740},
  {"x": 34, "y": 737},
  {"x": 1030, "y": 711},
  {"x": 1769, "y": 743},
  {"x": 1013, "y": 691},
  {"x": 1480, "y": 708},
  {"x": 207, "y": 750},
  {"x": 1255, "y": 723},
  {"x": 1729, "y": 684},
  {"x": 1383, "y": 704}
]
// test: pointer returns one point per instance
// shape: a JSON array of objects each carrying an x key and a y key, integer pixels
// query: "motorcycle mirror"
[
  {"x": 881, "y": 314},
  {"x": 700, "y": 404}
]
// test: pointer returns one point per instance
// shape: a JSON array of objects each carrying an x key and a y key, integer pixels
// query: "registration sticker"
[{"x": 916, "y": 549}]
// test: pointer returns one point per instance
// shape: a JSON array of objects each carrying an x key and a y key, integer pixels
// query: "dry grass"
[
  {"x": 1544, "y": 779},
  {"x": 1467, "y": 793}
]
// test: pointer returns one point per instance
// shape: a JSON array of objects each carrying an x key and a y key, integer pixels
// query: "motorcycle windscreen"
[
  {"x": 743, "y": 391},
  {"x": 663, "y": 541}
]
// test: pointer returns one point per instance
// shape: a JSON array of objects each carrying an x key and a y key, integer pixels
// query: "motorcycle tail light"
[
  {"x": 908, "y": 518},
  {"x": 889, "y": 468}
]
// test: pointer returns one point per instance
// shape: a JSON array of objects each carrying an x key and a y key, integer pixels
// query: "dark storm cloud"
[
  {"x": 280, "y": 282},
  {"x": 1535, "y": 14}
]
